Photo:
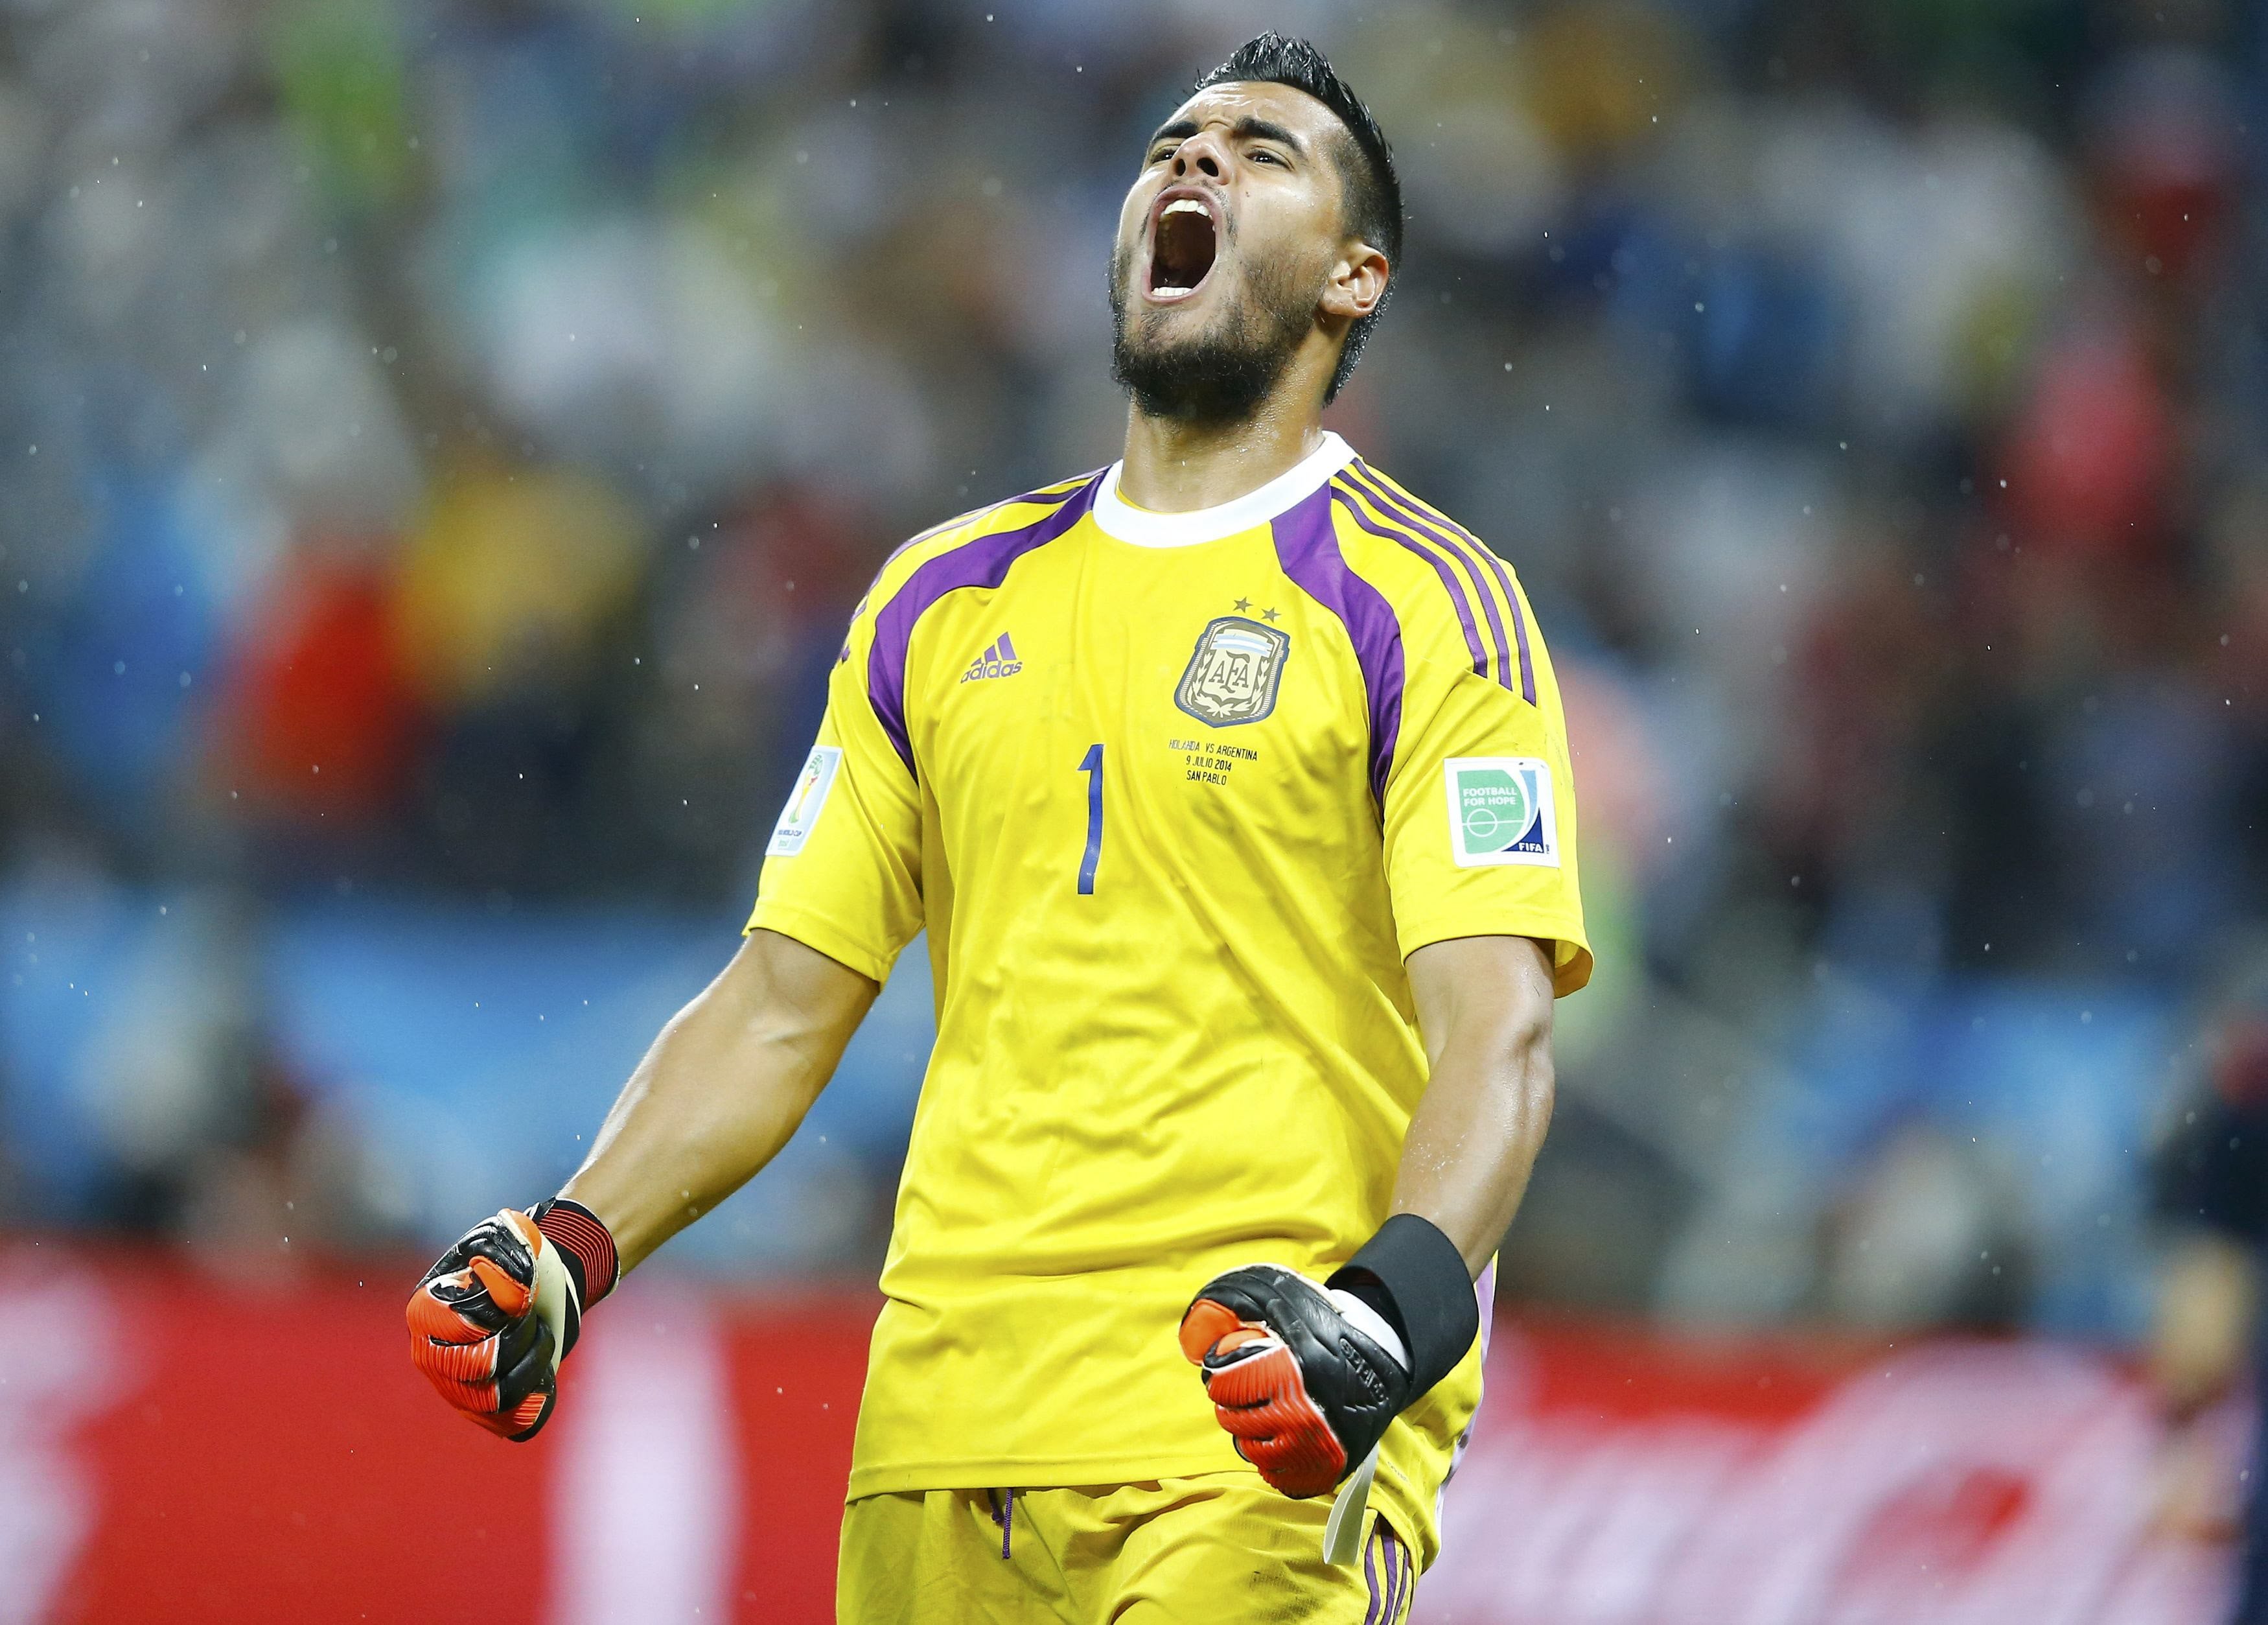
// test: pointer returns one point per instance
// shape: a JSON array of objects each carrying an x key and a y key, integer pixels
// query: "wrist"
[
  {"x": 1415, "y": 1277},
  {"x": 585, "y": 1247},
  {"x": 1366, "y": 1317}
]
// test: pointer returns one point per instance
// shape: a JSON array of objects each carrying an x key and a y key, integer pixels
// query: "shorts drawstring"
[{"x": 1003, "y": 1513}]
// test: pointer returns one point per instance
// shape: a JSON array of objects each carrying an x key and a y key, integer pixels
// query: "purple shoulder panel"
[
  {"x": 1440, "y": 527},
  {"x": 1448, "y": 577},
  {"x": 1307, "y": 548},
  {"x": 1365, "y": 481},
  {"x": 982, "y": 562}
]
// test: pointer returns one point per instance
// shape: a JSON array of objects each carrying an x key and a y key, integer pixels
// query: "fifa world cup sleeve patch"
[
  {"x": 1501, "y": 811},
  {"x": 804, "y": 802}
]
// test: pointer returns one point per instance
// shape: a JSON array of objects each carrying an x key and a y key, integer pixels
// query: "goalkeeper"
[{"x": 1230, "y": 786}]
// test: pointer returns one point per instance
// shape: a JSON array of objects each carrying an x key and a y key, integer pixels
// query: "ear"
[{"x": 1357, "y": 282}]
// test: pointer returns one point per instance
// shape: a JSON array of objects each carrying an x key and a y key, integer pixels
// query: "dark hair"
[{"x": 1366, "y": 162}]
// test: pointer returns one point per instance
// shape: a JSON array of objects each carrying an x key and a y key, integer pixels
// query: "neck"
[{"x": 1173, "y": 467}]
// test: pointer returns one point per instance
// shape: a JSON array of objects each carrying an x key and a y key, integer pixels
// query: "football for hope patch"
[
  {"x": 813, "y": 786},
  {"x": 1501, "y": 811}
]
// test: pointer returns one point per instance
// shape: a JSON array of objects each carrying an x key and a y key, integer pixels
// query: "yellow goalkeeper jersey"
[{"x": 1175, "y": 796}]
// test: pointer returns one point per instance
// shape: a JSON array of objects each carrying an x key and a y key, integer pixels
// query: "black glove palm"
[{"x": 1304, "y": 1391}]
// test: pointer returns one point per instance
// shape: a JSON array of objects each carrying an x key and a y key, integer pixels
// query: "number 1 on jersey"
[{"x": 1091, "y": 764}]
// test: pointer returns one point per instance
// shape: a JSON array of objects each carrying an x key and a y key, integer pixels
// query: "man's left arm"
[
  {"x": 1305, "y": 1377},
  {"x": 1479, "y": 820},
  {"x": 1484, "y": 1008}
]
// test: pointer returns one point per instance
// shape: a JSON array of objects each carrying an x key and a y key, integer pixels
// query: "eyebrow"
[{"x": 1246, "y": 129}]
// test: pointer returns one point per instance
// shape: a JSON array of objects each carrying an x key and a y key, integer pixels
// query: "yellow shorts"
[{"x": 1218, "y": 1549}]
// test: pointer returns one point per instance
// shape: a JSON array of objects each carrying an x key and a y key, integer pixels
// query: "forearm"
[
  {"x": 1484, "y": 1006},
  {"x": 720, "y": 1091}
]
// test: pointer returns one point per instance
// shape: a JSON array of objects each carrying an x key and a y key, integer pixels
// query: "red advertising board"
[
  {"x": 1633, "y": 1478},
  {"x": 180, "y": 1446}
]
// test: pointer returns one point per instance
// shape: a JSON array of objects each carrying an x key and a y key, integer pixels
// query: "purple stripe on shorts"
[
  {"x": 1449, "y": 582},
  {"x": 1437, "y": 526},
  {"x": 983, "y": 562},
  {"x": 1370, "y": 1573},
  {"x": 1307, "y": 548}
]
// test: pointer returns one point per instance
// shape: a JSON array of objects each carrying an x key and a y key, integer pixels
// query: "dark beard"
[{"x": 1222, "y": 375}]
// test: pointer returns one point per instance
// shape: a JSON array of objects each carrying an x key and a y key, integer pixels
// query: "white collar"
[{"x": 1121, "y": 519}]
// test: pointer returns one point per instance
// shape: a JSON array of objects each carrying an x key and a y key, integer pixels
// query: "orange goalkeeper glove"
[
  {"x": 492, "y": 1321},
  {"x": 1304, "y": 1380},
  {"x": 1305, "y": 1377}
]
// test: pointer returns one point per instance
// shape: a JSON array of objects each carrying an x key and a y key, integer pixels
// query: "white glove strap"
[
  {"x": 1370, "y": 1323},
  {"x": 1343, "y": 1529},
  {"x": 555, "y": 1290}
]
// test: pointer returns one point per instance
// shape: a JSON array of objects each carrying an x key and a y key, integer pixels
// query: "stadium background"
[{"x": 440, "y": 445}]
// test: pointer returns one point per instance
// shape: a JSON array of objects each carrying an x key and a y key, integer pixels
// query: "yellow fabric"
[
  {"x": 1216, "y": 1548},
  {"x": 1212, "y": 1059}
]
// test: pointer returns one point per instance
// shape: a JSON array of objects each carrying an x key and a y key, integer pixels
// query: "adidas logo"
[{"x": 999, "y": 660}]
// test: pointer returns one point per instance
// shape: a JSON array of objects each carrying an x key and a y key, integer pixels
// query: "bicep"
[
  {"x": 1492, "y": 993},
  {"x": 785, "y": 990},
  {"x": 801, "y": 975}
]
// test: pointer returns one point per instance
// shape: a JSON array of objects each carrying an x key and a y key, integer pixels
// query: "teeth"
[{"x": 1181, "y": 205}]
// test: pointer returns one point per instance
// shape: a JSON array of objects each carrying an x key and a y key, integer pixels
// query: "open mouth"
[{"x": 1183, "y": 241}]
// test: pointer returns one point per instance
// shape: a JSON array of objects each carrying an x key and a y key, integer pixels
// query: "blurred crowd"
[{"x": 440, "y": 445}]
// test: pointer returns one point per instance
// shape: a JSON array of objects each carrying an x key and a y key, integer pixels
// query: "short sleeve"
[
  {"x": 1480, "y": 811},
  {"x": 843, "y": 871}
]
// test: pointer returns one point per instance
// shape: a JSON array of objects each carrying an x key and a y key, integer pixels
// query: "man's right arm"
[
  {"x": 715, "y": 1097},
  {"x": 720, "y": 1091}
]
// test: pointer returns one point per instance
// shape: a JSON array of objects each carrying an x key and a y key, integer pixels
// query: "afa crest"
[{"x": 1233, "y": 675}]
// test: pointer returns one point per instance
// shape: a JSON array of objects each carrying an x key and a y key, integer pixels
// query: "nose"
[{"x": 1202, "y": 153}]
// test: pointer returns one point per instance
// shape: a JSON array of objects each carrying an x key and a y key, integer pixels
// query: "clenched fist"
[{"x": 492, "y": 1321}]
